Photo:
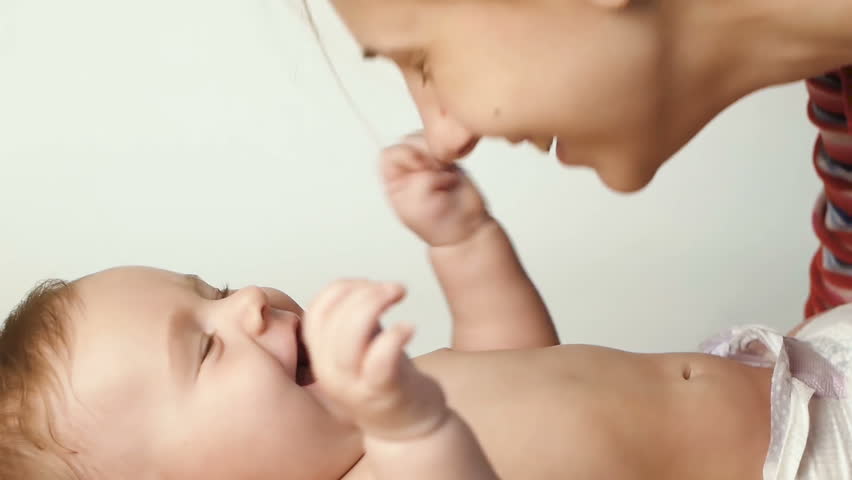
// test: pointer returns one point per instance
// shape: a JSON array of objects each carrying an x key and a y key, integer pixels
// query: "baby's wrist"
[
  {"x": 413, "y": 431},
  {"x": 480, "y": 230}
]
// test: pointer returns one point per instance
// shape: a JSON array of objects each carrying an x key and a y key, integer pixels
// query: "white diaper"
[{"x": 811, "y": 393}]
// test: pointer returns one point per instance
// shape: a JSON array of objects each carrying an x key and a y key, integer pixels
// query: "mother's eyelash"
[{"x": 223, "y": 292}]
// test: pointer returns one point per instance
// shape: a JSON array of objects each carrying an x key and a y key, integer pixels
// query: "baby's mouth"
[{"x": 304, "y": 375}]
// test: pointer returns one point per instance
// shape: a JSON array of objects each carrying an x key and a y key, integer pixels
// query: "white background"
[{"x": 211, "y": 137}]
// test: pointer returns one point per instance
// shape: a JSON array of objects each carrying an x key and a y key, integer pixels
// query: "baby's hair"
[{"x": 33, "y": 341}]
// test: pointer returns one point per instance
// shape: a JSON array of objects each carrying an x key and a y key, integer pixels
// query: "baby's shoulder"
[{"x": 439, "y": 358}]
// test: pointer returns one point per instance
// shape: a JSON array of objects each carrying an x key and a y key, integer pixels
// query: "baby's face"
[{"x": 172, "y": 379}]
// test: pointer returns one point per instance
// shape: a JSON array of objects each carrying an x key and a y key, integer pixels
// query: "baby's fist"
[
  {"x": 363, "y": 369},
  {"x": 436, "y": 201}
]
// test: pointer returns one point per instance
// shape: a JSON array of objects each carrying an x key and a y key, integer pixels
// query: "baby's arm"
[
  {"x": 409, "y": 431},
  {"x": 451, "y": 452},
  {"x": 493, "y": 302}
]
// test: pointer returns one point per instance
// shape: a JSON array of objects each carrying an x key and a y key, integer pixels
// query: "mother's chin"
[{"x": 624, "y": 170}]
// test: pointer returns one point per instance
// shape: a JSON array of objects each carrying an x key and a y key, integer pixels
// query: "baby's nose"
[
  {"x": 276, "y": 332},
  {"x": 252, "y": 303}
]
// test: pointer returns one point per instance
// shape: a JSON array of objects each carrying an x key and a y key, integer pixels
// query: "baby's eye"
[{"x": 223, "y": 292}]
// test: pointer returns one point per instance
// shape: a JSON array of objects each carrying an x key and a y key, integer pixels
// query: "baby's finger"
[
  {"x": 398, "y": 160},
  {"x": 321, "y": 309},
  {"x": 417, "y": 140},
  {"x": 361, "y": 322},
  {"x": 384, "y": 356},
  {"x": 419, "y": 144},
  {"x": 420, "y": 187},
  {"x": 445, "y": 180}
]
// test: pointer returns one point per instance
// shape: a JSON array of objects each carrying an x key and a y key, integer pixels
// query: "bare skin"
[
  {"x": 174, "y": 379},
  {"x": 586, "y": 412},
  {"x": 620, "y": 85}
]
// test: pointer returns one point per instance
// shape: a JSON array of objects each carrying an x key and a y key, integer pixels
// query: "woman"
[{"x": 621, "y": 85}]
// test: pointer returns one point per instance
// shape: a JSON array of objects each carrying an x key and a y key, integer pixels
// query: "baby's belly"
[{"x": 594, "y": 413}]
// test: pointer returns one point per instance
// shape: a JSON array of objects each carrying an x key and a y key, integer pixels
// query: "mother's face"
[{"x": 592, "y": 76}]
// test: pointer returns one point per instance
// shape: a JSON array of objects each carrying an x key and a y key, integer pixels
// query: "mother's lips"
[
  {"x": 562, "y": 152},
  {"x": 543, "y": 144}
]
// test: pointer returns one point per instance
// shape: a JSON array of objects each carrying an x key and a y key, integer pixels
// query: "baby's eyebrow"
[
  {"x": 195, "y": 281},
  {"x": 201, "y": 287}
]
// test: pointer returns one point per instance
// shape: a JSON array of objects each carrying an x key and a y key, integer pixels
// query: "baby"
[{"x": 136, "y": 373}]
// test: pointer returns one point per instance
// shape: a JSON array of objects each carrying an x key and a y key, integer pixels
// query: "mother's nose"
[{"x": 447, "y": 138}]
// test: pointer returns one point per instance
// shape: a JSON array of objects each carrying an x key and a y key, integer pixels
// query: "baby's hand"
[
  {"x": 436, "y": 201},
  {"x": 363, "y": 369}
]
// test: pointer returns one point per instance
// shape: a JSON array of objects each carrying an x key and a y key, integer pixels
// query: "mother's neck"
[
  {"x": 714, "y": 52},
  {"x": 751, "y": 44}
]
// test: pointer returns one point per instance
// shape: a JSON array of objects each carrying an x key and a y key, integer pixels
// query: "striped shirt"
[{"x": 830, "y": 110}]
